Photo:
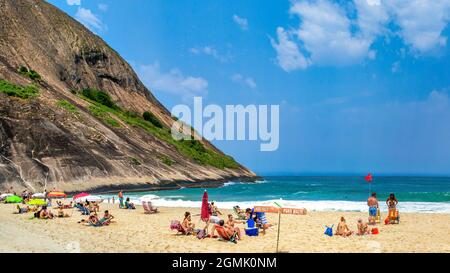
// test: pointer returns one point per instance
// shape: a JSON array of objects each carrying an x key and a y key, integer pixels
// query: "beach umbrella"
[
  {"x": 205, "y": 207},
  {"x": 38, "y": 196},
  {"x": 3, "y": 196},
  {"x": 90, "y": 198},
  {"x": 13, "y": 199},
  {"x": 149, "y": 197},
  {"x": 83, "y": 194},
  {"x": 56, "y": 194},
  {"x": 37, "y": 202}
]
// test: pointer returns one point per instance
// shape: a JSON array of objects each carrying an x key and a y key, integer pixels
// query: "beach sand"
[{"x": 134, "y": 231}]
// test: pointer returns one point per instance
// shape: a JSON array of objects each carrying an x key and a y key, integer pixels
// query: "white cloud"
[
  {"x": 73, "y": 2},
  {"x": 395, "y": 67},
  {"x": 211, "y": 51},
  {"x": 248, "y": 81},
  {"x": 327, "y": 35},
  {"x": 173, "y": 82},
  {"x": 90, "y": 20},
  {"x": 103, "y": 7},
  {"x": 288, "y": 54},
  {"x": 421, "y": 22},
  {"x": 241, "y": 22}
]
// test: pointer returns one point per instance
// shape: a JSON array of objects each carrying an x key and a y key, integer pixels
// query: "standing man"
[
  {"x": 372, "y": 202},
  {"x": 120, "y": 199}
]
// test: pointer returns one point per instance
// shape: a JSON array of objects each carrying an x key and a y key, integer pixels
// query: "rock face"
[{"x": 44, "y": 145}]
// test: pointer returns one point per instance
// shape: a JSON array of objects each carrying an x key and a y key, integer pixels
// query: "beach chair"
[
  {"x": 238, "y": 215},
  {"x": 148, "y": 208},
  {"x": 224, "y": 236}
]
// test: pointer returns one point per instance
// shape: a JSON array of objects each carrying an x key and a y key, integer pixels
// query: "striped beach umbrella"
[{"x": 56, "y": 194}]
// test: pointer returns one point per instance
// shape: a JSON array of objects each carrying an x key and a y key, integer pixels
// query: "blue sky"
[{"x": 362, "y": 85}]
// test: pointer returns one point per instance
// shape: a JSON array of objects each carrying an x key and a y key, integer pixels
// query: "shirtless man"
[
  {"x": 372, "y": 202},
  {"x": 230, "y": 224}
]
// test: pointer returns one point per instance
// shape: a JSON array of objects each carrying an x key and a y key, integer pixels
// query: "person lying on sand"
[
  {"x": 363, "y": 228},
  {"x": 342, "y": 229},
  {"x": 230, "y": 224},
  {"x": 22, "y": 210},
  {"x": 187, "y": 224},
  {"x": 128, "y": 204}
]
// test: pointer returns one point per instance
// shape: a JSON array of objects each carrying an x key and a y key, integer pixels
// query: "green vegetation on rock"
[
  {"x": 166, "y": 160},
  {"x": 29, "y": 73},
  {"x": 104, "y": 108},
  {"x": 67, "y": 106},
  {"x": 22, "y": 92},
  {"x": 150, "y": 117}
]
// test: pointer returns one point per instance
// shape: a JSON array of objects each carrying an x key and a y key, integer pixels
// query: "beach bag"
[
  {"x": 175, "y": 224},
  {"x": 329, "y": 230},
  {"x": 375, "y": 231}
]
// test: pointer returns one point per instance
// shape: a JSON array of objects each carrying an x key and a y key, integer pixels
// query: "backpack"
[{"x": 329, "y": 230}]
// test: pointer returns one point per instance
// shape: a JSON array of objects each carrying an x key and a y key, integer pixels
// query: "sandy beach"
[{"x": 134, "y": 231}]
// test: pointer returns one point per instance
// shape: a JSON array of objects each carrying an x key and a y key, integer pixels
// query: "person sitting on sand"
[
  {"x": 230, "y": 224},
  {"x": 372, "y": 202},
  {"x": 342, "y": 229},
  {"x": 363, "y": 228},
  {"x": 93, "y": 220},
  {"x": 128, "y": 204},
  {"x": 187, "y": 224},
  {"x": 214, "y": 210},
  {"x": 44, "y": 213},
  {"x": 61, "y": 213},
  {"x": 106, "y": 219}
]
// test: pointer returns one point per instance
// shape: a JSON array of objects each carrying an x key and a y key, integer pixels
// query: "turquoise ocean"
[{"x": 319, "y": 193}]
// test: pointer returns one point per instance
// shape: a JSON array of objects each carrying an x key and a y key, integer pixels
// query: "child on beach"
[
  {"x": 107, "y": 217},
  {"x": 61, "y": 213},
  {"x": 342, "y": 229},
  {"x": 363, "y": 228}
]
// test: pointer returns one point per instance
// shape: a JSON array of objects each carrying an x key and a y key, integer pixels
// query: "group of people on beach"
[
  {"x": 228, "y": 225},
  {"x": 374, "y": 217}
]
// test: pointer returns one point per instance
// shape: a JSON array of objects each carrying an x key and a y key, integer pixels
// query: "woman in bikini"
[
  {"x": 187, "y": 224},
  {"x": 342, "y": 229}
]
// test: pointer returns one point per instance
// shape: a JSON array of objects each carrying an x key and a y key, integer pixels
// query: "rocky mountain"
[{"x": 71, "y": 114}]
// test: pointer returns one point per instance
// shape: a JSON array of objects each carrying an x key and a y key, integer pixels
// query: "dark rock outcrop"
[{"x": 45, "y": 146}]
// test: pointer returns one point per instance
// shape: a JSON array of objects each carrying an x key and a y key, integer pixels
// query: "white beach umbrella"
[
  {"x": 3, "y": 196},
  {"x": 38, "y": 195},
  {"x": 149, "y": 197},
  {"x": 90, "y": 198}
]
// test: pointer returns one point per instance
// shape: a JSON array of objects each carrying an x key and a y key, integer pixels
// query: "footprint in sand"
[{"x": 374, "y": 246}]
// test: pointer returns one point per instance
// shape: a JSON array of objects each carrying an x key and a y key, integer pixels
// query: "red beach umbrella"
[
  {"x": 205, "y": 211},
  {"x": 83, "y": 194}
]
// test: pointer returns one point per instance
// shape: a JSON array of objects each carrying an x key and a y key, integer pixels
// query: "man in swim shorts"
[{"x": 372, "y": 202}]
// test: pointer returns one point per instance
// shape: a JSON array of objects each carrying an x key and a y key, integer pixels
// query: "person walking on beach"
[
  {"x": 372, "y": 202},
  {"x": 120, "y": 199}
]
